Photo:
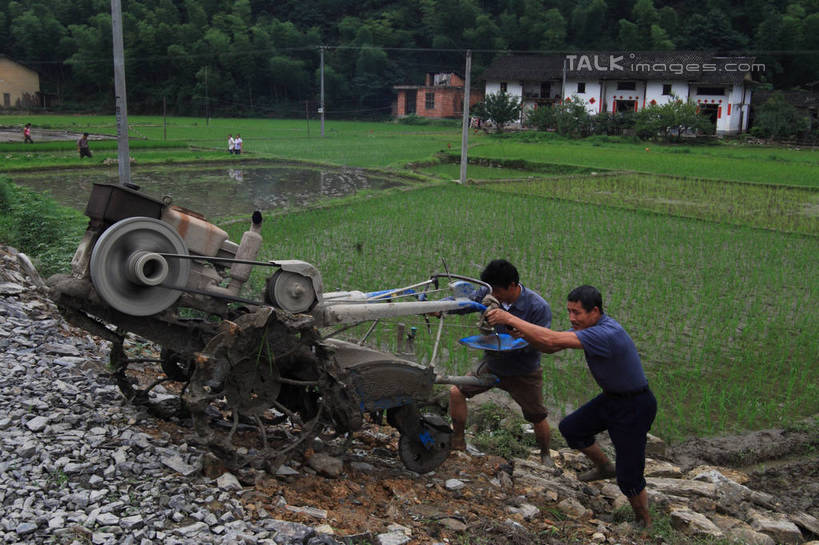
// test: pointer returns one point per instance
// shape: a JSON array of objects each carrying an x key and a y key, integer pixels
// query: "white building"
[{"x": 616, "y": 82}]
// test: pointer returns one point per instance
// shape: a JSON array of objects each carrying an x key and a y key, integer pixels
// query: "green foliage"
[
  {"x": 499, "y": 108},
  {"x": 263, "y": 58},
  {"x": 500, "y": 433},
  {"x": 569, "y": 118},
  {"x": 778, "y": 119},
  {"x": 670, "y": 121},
  {"x": 36, "y": 225}
]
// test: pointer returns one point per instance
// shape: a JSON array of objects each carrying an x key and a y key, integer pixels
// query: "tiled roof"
[{"x": 686, "y": 66}]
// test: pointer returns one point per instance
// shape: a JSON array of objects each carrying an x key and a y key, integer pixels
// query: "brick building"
[{"x": 441, "y": 96}]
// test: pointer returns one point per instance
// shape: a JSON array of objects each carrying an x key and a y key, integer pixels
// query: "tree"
[
  {"x": 670, "y": 121},
  {"x": 778, "y": 119},
  {"x": 588, "y": 22},
  {"x": 499, "y": 108},
  {"x": 568, "y": 119}
]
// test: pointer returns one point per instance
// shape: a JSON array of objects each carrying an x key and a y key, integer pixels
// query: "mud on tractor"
[{"x": 165, "y": 274}]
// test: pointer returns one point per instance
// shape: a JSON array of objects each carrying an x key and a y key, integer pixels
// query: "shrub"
[
  {"x": 778, "y": 119},
  {"x": 499, "y": 108},
  {"x": 499, "y": 433},
  {"x": 569, "y": 119},
  {"x": 670, "y": 121}
]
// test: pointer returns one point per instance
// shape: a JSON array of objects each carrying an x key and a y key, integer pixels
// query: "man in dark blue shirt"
[
  {"x": 626, "y": 408},
  {"x": 518, "y": 371}
]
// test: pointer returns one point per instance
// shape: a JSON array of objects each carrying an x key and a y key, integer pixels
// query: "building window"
[
  {"x": 666, "y": 88},
  {"x": 503, "y": 87},
  {"x": 545, "y": 89},
  {"x": 581, "y": 87},
  {"x": 717, "y": 91},
  {"x": 626, "y": 85},
  {"x": 6, "y": 99},
  {"x": 429, "y": 101}
]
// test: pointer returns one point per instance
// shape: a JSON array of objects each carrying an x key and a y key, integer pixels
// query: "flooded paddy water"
[{"x": 215, "y": 190}]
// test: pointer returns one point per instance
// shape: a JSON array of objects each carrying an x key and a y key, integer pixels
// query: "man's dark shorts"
[{"x": 526, "y": 390}]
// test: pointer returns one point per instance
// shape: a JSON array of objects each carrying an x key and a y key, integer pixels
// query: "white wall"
[
  {"x": 727, "y": 122},
  {"x": 612, "y": 94},
  {"x": 591, "y": 98},
  {"x": 654, "y": 91}
]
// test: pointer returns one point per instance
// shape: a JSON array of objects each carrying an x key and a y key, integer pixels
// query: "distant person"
[
  {"x": 626, "y": 407},
  {"x": 27, "y": 134},
  {"x": 237, "y": 145},
  {"x": 231, "y": 144},
  {"x": 82, "y": 146}
]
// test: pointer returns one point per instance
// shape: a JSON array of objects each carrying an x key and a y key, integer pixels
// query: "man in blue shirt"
[
  {"x": 626, "y": 408},
  {"x": 518, "y": 371}
]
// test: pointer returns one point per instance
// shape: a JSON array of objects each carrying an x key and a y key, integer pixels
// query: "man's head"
[
  {"x": 504, "y": 279},
  {"x": 585, "y": 307}
]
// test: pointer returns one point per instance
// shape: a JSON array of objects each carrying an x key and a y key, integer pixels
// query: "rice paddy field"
[
  {"x": 708, "y": 255},
  {"x": 724, "y": 316}
]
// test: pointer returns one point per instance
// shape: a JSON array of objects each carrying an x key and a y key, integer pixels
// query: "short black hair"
[
  {"x": 500, "y": 273},
  {"x": 589, "y": 297}
]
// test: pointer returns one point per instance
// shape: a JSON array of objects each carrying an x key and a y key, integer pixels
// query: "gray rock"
[
  {"x": 180, "y": 466},
  {"x": 192, "y": 529},
  {"x": 526, "y": 510},
  {"x": 228, "y": 481},
  {"x": 107, "y": 519},
  {"x": 25, "y": 528},
  {"x": 38, "y": 423},
  {"x": 452, "y": 524},
  {"x": 320, "y": 514},
  {"x": 782, "y": 531},
  {"x": 10, "y": 288},
  {"x": 393, "y": 538},
  {"x": 694, "y": 524},
  {"x": 805, "y": 521},
  {"x": 750, "y": 537},
  {"x": 326, "y": 465},
  {"x": 574, "y": 508},
  {"x": 454, "y": 484},
  {"x": 682, "y": 487}
]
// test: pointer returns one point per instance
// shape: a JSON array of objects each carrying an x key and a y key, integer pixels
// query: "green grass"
[
  {"x": 783, "y": 208},
  {"x": 725, "y": 162},
  {"x": 36, "y": 225},
  {"x": 394, "y": 145},
  {"x": 722, "y": 315},
  {"x": 362, "y": 144}
]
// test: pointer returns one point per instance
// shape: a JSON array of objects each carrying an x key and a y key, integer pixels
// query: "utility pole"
[
  {"x": 120, "y": 98},
  {"x": 465, "y": 124},
  {"x": 164, "y": 119},
  {"x": 321, "y": 100},
  {"x": 207, "y": 101},
  {"x": 307, "y": 116},
  {"x": 563, "y": 85}
]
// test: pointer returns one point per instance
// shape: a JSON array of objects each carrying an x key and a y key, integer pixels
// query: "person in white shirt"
[
  {"x": 231, "y": 144},
  {"x": 237, "y": 145}
]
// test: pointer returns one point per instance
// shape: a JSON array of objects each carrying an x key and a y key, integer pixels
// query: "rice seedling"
[{"x": 721, "y": 314}]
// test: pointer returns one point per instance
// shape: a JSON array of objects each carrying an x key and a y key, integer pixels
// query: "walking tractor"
[{"x": 147, "y": 267}]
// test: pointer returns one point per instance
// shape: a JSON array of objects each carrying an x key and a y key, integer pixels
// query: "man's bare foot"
[{"x": 598, "y": 473}]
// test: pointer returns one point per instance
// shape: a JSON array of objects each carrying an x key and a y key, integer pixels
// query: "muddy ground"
[
  {"x": 375, "y": 490},
  {"x": 14, "y": 134}
]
